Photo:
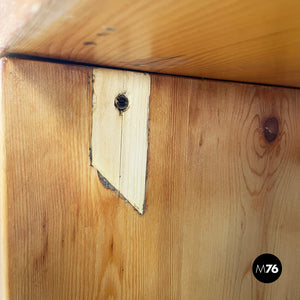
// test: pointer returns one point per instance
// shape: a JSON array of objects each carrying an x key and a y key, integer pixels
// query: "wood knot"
[{"x": 270, "y": 129}]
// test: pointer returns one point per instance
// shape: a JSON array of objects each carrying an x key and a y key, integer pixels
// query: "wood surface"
[
  {"x": 120, "y": 139},
  {"x": 222, "y": 188},
  {"x": 254, "y": 41},
  {"x": 3, "y": 219}
]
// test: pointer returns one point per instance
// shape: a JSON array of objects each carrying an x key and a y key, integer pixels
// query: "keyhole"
[{"x": 121, "y": 102}]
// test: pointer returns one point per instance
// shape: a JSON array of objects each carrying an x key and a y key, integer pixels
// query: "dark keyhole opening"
[{"x": 121, "y": 102}]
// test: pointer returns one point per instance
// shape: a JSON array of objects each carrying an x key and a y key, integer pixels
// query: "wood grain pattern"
[
  {"x": 253, "y": 41},
  {"x": 119, "y": 141},
  {"x": 14, "y": 16},
  {"x": 3, "y": 219},
  {"x": 218, "y": 193}
]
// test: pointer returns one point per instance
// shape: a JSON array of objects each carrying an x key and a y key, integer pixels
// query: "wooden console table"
[{"x": 221, "y": 163}]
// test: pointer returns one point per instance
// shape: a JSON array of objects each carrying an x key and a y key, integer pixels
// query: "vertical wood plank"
[
  {"x": 231, "y": 194},
  {"x": 3, "y": 199},
  {"x": 106, "y": 124},
  {"x": 46, "y": 109},
  {"x": 119, "y": 140}
]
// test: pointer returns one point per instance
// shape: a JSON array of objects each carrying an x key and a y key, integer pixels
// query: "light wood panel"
[
  {"x": 219, "y": 191},
  {"x": 119, "y": 141},
  {"x": 252, "y": 41}
]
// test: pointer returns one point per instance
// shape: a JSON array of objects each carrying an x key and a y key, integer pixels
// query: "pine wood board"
[
  {"x": 218, "y": 193},
  {"x": 252, "y": 41},
  {"x": 119, "y": 141},
  {"x": 3, "y": 208}
]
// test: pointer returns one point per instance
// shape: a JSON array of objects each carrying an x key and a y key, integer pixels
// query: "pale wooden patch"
[{"x": 120, "y": 140}]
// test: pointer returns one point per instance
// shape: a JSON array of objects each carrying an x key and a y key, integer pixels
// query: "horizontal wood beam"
[{"x": 251, "y": 41}]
